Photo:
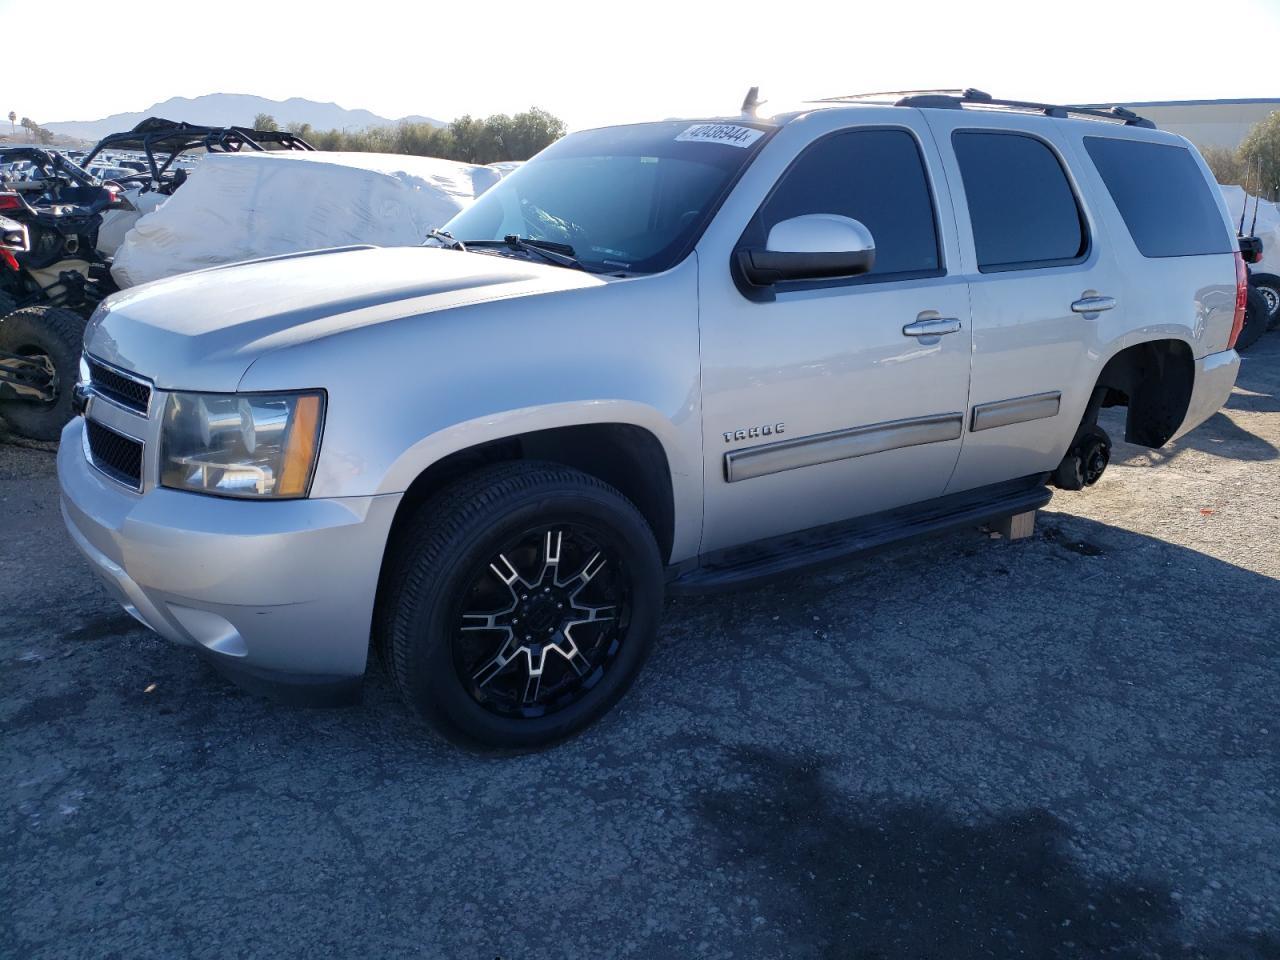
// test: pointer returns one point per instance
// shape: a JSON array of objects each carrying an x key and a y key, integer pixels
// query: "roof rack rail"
[{"x": 958, "y": 99}]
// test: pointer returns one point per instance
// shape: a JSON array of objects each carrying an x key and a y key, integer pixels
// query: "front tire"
[
  {"x": 520, "y": 604},
  {"x": 54, "y": 336}
]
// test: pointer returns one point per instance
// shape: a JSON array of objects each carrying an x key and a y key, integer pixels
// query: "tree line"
[
  {"x": 35, "y": 132},
  {"x": 1256, "y": 163},
  {"x": 468, "y": 139}
]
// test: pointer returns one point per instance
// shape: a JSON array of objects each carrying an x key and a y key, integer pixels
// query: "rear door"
[{"x": 1042, "y": 283}]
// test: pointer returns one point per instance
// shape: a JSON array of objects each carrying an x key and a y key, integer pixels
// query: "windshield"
[{"x": 630, "y": 199}]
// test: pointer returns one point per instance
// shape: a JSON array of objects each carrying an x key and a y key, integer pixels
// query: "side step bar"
[{"x": 792, "y": 553}]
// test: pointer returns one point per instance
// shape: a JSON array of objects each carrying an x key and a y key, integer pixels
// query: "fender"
[{"x": 683, "y": 461}]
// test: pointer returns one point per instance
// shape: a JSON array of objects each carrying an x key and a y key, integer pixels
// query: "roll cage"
[
  {"x": 162, "y": 141},
  {"x": 58, "y": 179}
]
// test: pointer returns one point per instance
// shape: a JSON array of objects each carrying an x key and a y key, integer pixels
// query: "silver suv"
[{"x": 667, "y": 356}]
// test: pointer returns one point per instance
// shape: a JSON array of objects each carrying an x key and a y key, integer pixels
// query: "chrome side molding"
[
  {"x": 840, "y": 445},
  {"x": 1002, "y": 413}
]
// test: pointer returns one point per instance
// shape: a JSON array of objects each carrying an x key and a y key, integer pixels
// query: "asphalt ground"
[{"x": 1064, "y": 746}]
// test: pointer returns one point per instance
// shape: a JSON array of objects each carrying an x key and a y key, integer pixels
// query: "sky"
[{"x": 598, "y": 63}]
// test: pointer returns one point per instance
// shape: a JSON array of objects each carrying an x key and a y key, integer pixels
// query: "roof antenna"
[
  {"x": 1253, "y": 227},
  {"x": 751, "y": 103},
  {"x": 1244, "y": 205}
]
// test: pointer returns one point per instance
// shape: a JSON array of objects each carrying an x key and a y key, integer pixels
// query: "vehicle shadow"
[
  {"x": 1219, "y": 436},
  {"x": 1258, "y": 385},
  {"x": 861, "y": 878},
  {"x": 1059, "y": 626}
]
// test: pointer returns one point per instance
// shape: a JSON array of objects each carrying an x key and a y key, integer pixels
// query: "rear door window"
[
  {"x": 1162, "y": 196},
  {"x": 876, "y": 177},
  {"x": 1021, "y": 206}
]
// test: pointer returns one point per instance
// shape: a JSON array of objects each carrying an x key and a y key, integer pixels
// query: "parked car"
[{"x": 661, "y": 357}]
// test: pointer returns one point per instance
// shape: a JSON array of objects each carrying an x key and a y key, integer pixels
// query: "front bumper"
[
  {"x": 1215, "y": 377},
  {"x": 276, "y": 594}
]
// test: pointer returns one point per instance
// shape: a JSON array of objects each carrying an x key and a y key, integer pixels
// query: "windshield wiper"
[
  {"x": 446, "y": 238},
  {"x": 561, "y": 254}
]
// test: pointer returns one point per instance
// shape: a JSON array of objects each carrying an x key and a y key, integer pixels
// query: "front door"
[{"x": 826, "y": 403}]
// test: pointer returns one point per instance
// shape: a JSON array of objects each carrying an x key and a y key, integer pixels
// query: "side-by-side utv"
[{"x": 49, "y": 285}]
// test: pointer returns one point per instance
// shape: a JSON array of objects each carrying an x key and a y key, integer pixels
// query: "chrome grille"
[
  {"x": 116, "y": 455},
  {"x": 118, "y": 388}
]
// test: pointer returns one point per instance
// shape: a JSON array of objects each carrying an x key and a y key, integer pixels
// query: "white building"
[{"x": 1208, "y": 123}]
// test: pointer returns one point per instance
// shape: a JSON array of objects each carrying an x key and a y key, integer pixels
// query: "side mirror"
[
  {"x": 816, "y": 246},
  {"x": 1251, "y": 249}
]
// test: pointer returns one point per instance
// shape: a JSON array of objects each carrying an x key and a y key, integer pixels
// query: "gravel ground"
[{"x": 1064, "y": 746}]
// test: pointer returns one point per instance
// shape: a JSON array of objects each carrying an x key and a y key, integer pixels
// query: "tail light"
[
  {"x": 118, "y": 200},
  {"x": 1242, "y": 300},
  {"x": 10, "y": 201}
]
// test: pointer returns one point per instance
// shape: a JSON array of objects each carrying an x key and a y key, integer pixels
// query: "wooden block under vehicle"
[{"x": 1017, "y": 526}]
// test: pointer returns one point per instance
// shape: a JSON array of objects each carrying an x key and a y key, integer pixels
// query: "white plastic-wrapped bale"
[
  {"x": 241, "y": 206},
  {"x": 116, "y": 224}
]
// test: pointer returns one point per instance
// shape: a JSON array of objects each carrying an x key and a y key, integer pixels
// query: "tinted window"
[
  {"x": 874, "y": 176},
  {"x": 1020, "y": 204},
  {"x": 1162, "y": 196}
]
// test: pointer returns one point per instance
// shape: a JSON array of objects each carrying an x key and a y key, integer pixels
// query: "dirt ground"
[{"x": 1059, "y": 747}]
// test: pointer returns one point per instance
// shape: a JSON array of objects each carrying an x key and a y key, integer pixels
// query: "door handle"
[
  {"x": 1093, "y": 304},
  {"x": 931, "y": 328}
]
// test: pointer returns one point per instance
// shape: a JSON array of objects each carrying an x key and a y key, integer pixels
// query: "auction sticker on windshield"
[{"x": 727, "y": 133}]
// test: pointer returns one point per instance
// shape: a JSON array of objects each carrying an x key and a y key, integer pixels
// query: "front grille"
[
  {"x": 118, "y": 388},
  {"x": 116, "y": 455}
]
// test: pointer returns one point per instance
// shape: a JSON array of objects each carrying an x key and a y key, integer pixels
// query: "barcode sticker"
[{"x": 729, "y": 134}]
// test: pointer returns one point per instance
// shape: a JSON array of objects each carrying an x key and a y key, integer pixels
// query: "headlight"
[{"x": 241, "y": 445}]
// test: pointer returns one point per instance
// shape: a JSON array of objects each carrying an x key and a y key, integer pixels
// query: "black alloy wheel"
[
  {"x": 519, "y": 604},
  {"x": 542, "y": 621}
]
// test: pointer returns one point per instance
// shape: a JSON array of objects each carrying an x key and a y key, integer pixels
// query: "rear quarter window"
[{"x": 1162, "y": 196}]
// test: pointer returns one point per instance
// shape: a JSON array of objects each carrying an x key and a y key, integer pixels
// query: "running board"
[{"x": 792, "y": 553}]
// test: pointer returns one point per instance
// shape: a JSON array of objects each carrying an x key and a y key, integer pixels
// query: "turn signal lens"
[{"x": 300, "y": 448}]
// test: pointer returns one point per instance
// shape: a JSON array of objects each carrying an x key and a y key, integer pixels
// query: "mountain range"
[{"x": 234, "y": 109}]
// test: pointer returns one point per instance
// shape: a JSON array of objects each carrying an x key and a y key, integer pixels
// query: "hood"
[{"x": 202, "y": 331}]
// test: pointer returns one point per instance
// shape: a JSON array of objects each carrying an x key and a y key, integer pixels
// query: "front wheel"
[{"x": 520, "y": 604}]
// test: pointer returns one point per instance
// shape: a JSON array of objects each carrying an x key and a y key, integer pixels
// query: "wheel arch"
[
  {"x": 628, "y": 448},
  {"x": 1154, "y": 379}
]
